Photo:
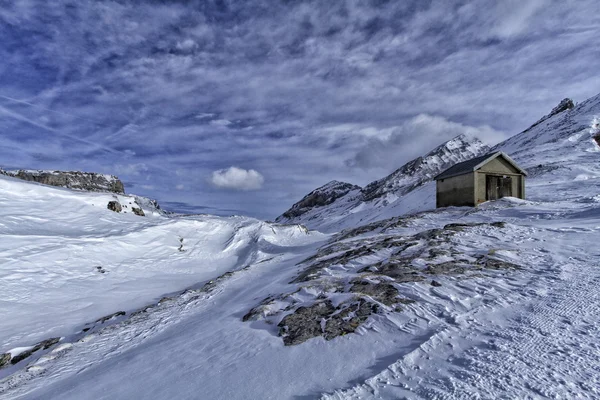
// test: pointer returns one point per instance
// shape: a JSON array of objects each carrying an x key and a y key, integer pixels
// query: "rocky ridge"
[{"x": 87, "y": 181}]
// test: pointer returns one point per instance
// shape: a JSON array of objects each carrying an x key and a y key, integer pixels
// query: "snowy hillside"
[
  {"x": 67, "y": 260},
  {"x": 395, "y": 194},
  {"x": 498, "y": 301}
]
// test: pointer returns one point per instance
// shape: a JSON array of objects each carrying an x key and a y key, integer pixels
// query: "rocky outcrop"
[
  {"x": 319, "y": 197},
  {"x": 43, "y": 345},
  {"x": 88, "y": 181},
  {"x": 564, "y": 105},
  {"x": 378, "y": 272}
]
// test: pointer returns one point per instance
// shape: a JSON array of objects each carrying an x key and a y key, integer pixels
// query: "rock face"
[
  {"x": 320, "y": 197},
  {"x": 88, "y": 181}
]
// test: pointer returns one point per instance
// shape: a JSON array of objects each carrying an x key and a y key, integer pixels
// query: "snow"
[
  {"x": 518, "y": 333},
  {"x": 68, "y": 260}
]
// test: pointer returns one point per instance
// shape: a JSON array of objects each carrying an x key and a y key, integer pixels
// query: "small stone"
[
  {"x": 138, "y": 211},
  {"x": 435, "y": 284}
]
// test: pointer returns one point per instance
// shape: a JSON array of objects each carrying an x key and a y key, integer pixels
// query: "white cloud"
[
  {"x": 414, "y": 138},
  {"x": 237, "y": 179}
]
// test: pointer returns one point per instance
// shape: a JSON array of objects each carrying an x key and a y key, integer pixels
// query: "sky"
[{"x": 242, "y": 107}]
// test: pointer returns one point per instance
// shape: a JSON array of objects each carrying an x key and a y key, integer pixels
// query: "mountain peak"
[
  {"x": 564, "y": 105},
  {"x": 422, "y": 169},
  {"x": 320, "y": 197}
]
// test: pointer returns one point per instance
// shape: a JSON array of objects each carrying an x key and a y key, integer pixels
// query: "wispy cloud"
[{"x": 291, "y": 89}]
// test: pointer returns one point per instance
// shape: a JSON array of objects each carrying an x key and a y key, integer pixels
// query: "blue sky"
[{"x": 242, "y": 107}]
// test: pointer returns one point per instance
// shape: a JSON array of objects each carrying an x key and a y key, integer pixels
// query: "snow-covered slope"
[
  {"x": 66, "y": 260},
  {"x": 401, "y": 191},
  {"x": 559, "y": 150}
]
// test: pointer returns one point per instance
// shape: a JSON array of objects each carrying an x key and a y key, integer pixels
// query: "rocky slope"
[
  {"x": 321, "y": 197},
  {"x": 344, "y": 205},
  {"x": 88, "y": 181}
]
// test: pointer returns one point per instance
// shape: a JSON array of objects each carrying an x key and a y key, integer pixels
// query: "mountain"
[
  {"x": 88, "y": 181},
  {"x": 348, "y": 204},
  {"x": 320, "y": 197}
]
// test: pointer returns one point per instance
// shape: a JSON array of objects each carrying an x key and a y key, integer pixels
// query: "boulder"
[
  {"x": 138, "y": 211},
  {"x": 115, "y": 206}
]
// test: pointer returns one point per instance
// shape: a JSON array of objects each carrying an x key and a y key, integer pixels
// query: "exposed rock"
[
  {"x": 43, "y": 345},
  {"x": 138, "y": 211},
  {"x": 305, "y": 323},
  {"x": 564, "y": 105},
  {"x": 4, "y": 359},
  {"x": 349, "y": 319},
  {"x": 435, "y": 284},
  {"x": 323, "y": 319},
  {"x": 110, "y": 316},
  {"x": 596, "y": 138},
  {"x": 385, "y": 293},
  {"x": 319, "y": 197},
  {"x": 88, "y": 181},
  {"x": 115, "y": 206}
]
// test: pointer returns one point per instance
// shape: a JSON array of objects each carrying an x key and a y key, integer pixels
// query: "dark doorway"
[{"x": 497, "y": 187}]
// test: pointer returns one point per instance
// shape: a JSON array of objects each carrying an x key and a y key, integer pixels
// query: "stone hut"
[{"x": 480, "y": 179}]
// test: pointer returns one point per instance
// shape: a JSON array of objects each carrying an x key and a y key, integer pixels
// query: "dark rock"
[
  {"x": 138, "y": 211},
  {"x": 435, "y": 284},
  {"x": 304, "y": 323},
  {"x": 88, "y": 181},
  {"x": 319, "y": 197},
  {"x": 596, "y": 138},
  {"x": 110, "y": 316},
  {"x": 4, "y": 359},
  {"x": 385, "y": 293},
  {"x": 43, "y": 345},
  {"x": 348, "y": 319},
  {"x": 114, "y": 206}
]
